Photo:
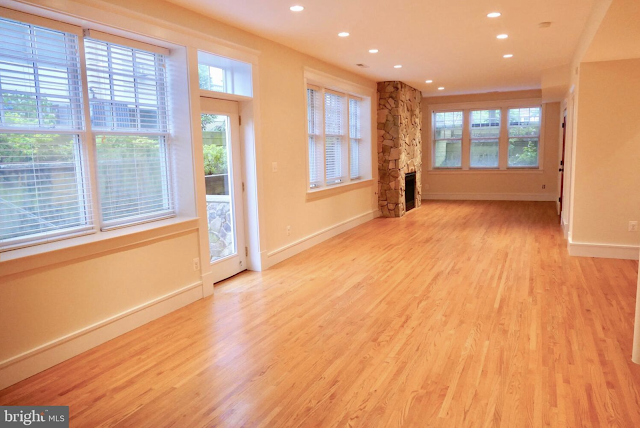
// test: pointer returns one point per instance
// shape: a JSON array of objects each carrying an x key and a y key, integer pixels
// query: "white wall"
[
  {"x": 607, "y": 153},
  {"x": 46, "y": 298}
]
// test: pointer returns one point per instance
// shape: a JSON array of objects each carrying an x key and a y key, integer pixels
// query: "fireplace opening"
[{"x": 410, "y": 190}]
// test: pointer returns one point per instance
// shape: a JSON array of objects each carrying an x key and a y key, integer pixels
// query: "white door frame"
[{"x": 231, "y": 265}]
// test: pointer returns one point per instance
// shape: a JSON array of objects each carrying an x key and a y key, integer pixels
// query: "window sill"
[
  {"x": 328, "y": 191},
  {"x": 38, "y": 256},
  {"x": 485, "y": 171}
]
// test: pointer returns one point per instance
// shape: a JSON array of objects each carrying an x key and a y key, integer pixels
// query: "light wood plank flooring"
[{"x": 460, "y": 314}]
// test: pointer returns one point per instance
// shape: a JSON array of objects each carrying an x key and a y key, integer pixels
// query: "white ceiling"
[{"x": 451, "y": 42}]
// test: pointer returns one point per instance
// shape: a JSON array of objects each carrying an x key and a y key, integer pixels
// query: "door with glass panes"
[{"x": 223, "y": 182}]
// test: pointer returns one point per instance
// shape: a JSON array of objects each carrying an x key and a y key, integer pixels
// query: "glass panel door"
[
  {"x": 223, "y": 187},
  {"x": 217, "y": 156}
]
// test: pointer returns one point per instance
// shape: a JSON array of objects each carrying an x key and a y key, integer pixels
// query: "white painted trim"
[
  {"x": 290, "y": 250},
  {"x": 49, "y": 354},
  {"x": 564, "y": 226},
  {"x": 604, "y": 251},
  {"x": 490, "y": 196}
]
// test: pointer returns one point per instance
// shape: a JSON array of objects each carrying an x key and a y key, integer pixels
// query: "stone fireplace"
[{"x": 399, "y": 146}]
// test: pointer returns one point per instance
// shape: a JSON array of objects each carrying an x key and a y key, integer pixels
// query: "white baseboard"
[
  {"x": 290, "y": 250},
  {"x": 48, "y": 355},
  {"x": 604, "y": 251},
  {"x": 490, "y": 196}
]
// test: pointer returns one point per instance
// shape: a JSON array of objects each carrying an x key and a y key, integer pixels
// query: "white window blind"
[
  {"x": 314, "y": 127},
  {"x": 485, "y": 138},
  {"x": 128, "y": 100},
  {"x": 355, "y": 138},
  {"x": 43, "y": 190},
  {"x": 334, "y": 118},
  {"x": 447, "y": 139},
  {"x": 524, "y": 137},
  {"x": 127, "y": 88}
]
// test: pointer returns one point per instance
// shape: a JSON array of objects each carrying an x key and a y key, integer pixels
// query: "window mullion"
[
  {"x": 503, "y": 157},
  {"x": 347, "y": 140},
  {"x": 87, "y": 142},
  {"x": 323, "y": 139}
]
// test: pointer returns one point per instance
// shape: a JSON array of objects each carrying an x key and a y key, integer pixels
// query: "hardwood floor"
[{"x": 460, "y": 314}]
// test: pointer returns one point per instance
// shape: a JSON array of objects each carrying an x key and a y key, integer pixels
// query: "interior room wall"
[
  {"x": 524, "y": 185},
  {"x": 44, "y": 305},
  {"x": 607, "y": 154},
  {"x": 283, "y": 129}
]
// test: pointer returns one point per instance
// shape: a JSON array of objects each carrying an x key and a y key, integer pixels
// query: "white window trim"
[
  {"x": 324, "y": 82},
  {"x": 466, "y": 108}
]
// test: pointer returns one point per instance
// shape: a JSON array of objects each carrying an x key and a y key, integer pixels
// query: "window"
[
  {"x": 485, "y": 138},
  {"x": 334, "y": 108},
  {"x": 355, "y": 137},
  {"x": 220, "y": 74},
  {"x": 45, "y": 144},
  {"x": 315, "y": 123},
  {"x": 335, "y": 138},
  {"x": 502, "y": 137},
  {"x": 128, "y": 102},
  {"x": 43, "y": 188},
  {"x": 524, "y": 137},
  {"x": 447, "y": 139}
]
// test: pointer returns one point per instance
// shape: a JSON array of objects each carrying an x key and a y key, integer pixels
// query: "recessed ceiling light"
[
  {"x": 343, "y": 34},
  {"x": 507, "y": 56},
  {"x": 397, "y": 66},
  {"x": 428, "y": 81},
  {"x": 296, "y": 8},
  {"x": 441, "y": 88},
  {"x": 493, "y": 14},
  {"x": 502, "y": 36},
  {"x": 373, "y": 50}
]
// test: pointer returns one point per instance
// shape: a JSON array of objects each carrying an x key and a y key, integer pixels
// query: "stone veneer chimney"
[{"x": 399, "y": 145}]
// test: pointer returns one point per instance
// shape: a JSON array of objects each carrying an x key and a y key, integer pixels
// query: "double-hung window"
[
  {"x": 335, "y": 138},
  {"x": 128, "y": 102},
  {"x": 485, "y": 138},
  {"x": 447, "y": 147},
  {"x": 49, "y": 154},
  {"x": 315, "y": 124},
  {"x": 355, "y": 138},
  {"x": 524, "y": 137},
  {"x": 500, "y": 136},
  {"x": 44, "y": 191}
]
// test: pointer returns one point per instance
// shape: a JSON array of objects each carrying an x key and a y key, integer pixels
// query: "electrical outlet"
[
  {"x": 633, "y": 226},
  {"x": 196, "y": 264},
  {"x": 544, "y": 186},
  {"x": 426, "y": 186},
  {"x": 274, "y": 166},
  {"x": 288, "y": 230}
]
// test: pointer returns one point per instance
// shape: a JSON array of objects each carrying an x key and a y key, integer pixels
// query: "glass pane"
[
  {"x": 524, "y": 122},
  {"x": 484, "y": 153},
  {"x": 41, "y": 187},
  {"x": 216, "y": 147},
  {"x": 133, "y": 178},
  {"x": 523, "y": 152},
  {"x": 448, "y": 154},
  {"x": 448, "y": 125},
  {"x": 485, "y": 124},
  {"x": 220, "y": 74}
]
